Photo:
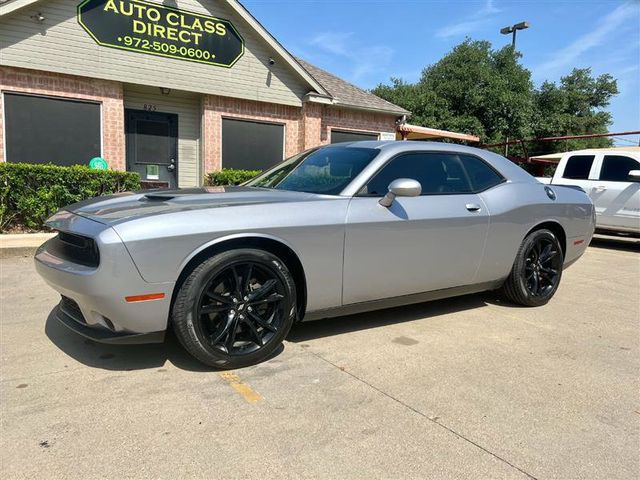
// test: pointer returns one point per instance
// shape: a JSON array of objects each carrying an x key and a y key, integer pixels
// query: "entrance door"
[{"x": 152, "y": 147}]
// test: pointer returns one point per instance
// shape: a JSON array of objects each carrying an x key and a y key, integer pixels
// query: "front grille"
[
  {"x": 71, "y": 308},
  {"x": 75, "y": 248}
]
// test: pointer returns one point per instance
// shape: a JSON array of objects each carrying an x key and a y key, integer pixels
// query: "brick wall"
[
  {"x": 305, "y": 127},
  {"x": 215, "y": 108},
  {"x": 354, "y": 120},
  {"x": 108, "y": 93}
]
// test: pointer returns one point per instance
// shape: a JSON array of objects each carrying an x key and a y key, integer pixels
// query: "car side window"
[
  {"x": 615, "y": 168},
  {"x": 438, "y": 173},
  {"x": 578, "y": 167},
  {"x": 481, "y": 175}
]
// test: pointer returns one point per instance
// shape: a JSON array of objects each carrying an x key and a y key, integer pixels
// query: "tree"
[
  {"x": 473, "y": 89},
  {"x": 574, "y": 107},
  {"x": 485, "y": 92}
]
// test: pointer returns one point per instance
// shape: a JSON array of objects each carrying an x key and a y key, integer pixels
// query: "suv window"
[
  {"x": 615, "y": 168},
  {"x": 438, "y": 173},
  {"x": 578, "y": 167}
]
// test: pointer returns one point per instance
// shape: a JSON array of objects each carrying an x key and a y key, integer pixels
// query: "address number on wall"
[{"x": 149, "y": 107}]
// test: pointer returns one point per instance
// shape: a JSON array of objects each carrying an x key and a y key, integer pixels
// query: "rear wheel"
[
  {"x": 235, "y": 308},
  {"x": 537, "y": 270}
]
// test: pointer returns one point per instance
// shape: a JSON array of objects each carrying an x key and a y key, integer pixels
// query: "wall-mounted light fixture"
[
  {"x": 165, "y": 90},
  {"x": 38, "y": 17}
]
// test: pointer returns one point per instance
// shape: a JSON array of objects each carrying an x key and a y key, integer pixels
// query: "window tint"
[
  {"x": 578, "y": 167},
  {"x": 251, "y": 145},
  {"x": 615, "y": 168},
  {"x": 481, "y": 175},
  {"x": 438, "y": 173},
  {"x": 338, "y": 136},
  {"x": 42, "y": 130},
  {"x": 325, "y": 170}
]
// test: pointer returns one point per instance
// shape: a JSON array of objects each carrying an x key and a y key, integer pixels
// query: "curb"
[{"x": 22, "y": 244}]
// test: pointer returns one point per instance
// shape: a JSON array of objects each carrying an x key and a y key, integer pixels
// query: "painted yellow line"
[{"x": 248, "y": 393}]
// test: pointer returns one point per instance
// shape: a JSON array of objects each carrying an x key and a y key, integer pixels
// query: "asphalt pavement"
[{"x": 460, "y": 388}]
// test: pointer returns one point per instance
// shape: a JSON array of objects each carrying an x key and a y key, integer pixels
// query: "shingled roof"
[{"x": 347, "y": 94}]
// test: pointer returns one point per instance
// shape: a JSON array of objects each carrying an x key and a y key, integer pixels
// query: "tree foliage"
[{"x": 476, "y": 89}]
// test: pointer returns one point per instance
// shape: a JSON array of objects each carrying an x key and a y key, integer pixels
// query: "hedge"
[
  {"x": 29, "y": 194},
  {"x": 230, "y": 176}
]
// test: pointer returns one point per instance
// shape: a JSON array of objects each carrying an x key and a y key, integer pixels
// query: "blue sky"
[{"x": 369, "y": 41}]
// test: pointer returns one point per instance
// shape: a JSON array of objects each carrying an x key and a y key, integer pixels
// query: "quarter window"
[
  {"x": 438, "y": 173},
  {"x": 578, "y": 167},
  {"x": 615, "y": 168}
]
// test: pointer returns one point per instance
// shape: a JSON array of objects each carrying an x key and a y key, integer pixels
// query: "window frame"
[
  {"x": 253, "y": 120},
  {"x": 355, "y": 132},
  {"x": 9, "y": 91},
  {"x": 593, "y": 172},
  {"x": 601, "y": 165},
  {"x": 423, "y": 152}
]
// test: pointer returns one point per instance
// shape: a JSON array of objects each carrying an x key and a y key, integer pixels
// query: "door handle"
[
  {"x": 171, "y": 167},
  {"x": 600, "y": 188},
  {"x": 472, "y": 207}
]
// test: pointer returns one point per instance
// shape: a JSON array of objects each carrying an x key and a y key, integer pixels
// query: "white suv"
[{"x": 612, "y": 179}]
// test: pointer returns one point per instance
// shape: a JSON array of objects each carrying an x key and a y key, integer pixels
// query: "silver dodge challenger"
[{"x": 333, "y": 231}]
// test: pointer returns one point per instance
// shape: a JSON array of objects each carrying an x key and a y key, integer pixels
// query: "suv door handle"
[
  {"x": 472, "y": 207},
  {"x": 600, "y": 188}
]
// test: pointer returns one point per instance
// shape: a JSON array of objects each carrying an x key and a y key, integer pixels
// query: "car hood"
[{"x": 113, "y": 209}]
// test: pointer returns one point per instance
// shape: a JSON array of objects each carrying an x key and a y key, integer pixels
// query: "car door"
[
  {"x": 418, "y": 244},
  {"x": 579, "y": 170},
  {"x": 615, "y": 196}
]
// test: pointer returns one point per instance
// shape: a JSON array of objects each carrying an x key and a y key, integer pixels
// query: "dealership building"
[{"x": 171, "y": 90}]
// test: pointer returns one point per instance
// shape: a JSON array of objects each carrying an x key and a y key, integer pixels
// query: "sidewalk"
[{"x": 21, "y": 244}]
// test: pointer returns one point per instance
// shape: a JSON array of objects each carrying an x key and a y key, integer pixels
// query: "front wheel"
[
  {"x": 235, "y": 308},
  {"x": 537, "y": 270}
]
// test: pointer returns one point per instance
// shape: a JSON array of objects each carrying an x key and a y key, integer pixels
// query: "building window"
[
  {"x": 51, "y": 130},
  {"x": 338, "y": 136},
  {"x": 251, "y": 145}
]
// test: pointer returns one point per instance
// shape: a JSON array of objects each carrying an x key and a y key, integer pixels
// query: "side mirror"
[
  {"x": 634, "y": 175},
  {"x": 401, "y": 187}
]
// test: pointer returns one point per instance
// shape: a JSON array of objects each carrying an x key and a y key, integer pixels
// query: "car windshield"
[{"x": 325, "y": 170}]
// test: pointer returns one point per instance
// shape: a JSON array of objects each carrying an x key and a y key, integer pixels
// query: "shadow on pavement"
[
  {"x": 627, "y": 244},
  {"x": 341, "y": 325},
  {"x": 123, "y": 357}
]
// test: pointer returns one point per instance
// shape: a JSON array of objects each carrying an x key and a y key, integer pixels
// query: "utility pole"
[{"x": 506, "y": 31}]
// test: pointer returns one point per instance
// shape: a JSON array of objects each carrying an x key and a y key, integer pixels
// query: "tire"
[
  {"x": 537, "y": 270},
  {"x": 235, "y": 308}
]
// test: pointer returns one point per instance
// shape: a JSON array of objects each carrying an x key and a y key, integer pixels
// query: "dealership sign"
[{"x": 146, "y": 27}]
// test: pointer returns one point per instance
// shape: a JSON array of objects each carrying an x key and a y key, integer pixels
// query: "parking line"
[{"x": 248, "y": 393}]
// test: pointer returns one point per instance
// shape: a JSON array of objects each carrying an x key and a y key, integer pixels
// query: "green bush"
[
  {"x": 230, "y": 176},
  {"x": 29, "y": 194}
]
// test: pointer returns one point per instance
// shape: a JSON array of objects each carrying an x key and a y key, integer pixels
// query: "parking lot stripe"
[{"x": 248, "y": 393}]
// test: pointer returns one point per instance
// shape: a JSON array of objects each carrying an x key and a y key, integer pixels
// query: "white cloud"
[
  {"x": 568, "y": 56},
  {"x": 471, "y": 24},
  {"x": 364, "y": 60}
]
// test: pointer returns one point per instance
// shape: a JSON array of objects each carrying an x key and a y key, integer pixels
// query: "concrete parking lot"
[{"x": 460, "y": 388}]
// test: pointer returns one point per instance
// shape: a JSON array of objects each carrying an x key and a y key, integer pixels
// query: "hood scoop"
[{"x": 159, "y": 197}]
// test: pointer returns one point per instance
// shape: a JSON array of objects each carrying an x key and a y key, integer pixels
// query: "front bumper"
[
  {"x": 69, "y": 314},
  {"x": 102, "y": 312}
]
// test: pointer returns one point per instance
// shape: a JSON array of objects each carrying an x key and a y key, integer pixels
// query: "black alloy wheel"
[
  {"x": 241, "y": 308},
  {"x": 536, "y": 271},
  {"x": 543, "y": 263},
  {"x": 235, "y": 308}
]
